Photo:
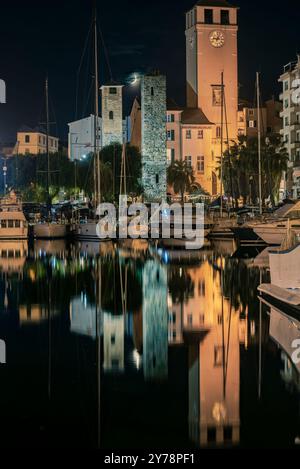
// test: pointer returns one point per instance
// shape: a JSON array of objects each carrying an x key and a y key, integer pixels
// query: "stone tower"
[
  {"x": 154, "y": 147},
  {"x": 211, "y": 48},
  {"x": 112, "y": 114}
]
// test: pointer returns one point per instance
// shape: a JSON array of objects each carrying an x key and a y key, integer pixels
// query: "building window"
[
  {"x": 113, "y": 90},
  {"x": 152, "y": 91},
  {"x": 252, "y": 124},
  {"x": 170, "y": 118},
  {"x": 298, "y": 117},
  {"x": 172, "y": 155},
  {"x": 188, "y": 160},
  {"x": 201, "y": 319},
  {"x": 251, "y": 112},
  {"x": 286, "y": 138},
  {"x": 27, "y": 138},
  {"x": 208, "y": 16},
  {"x": 298, "y": 137},
  {"x": 224, "y": 16},
  {"x": 286, "y": 85},
  {"x": 200, "y": 134},
  {"x": 190, "y": 319},
  {"x": 188, "y": 134},
  {"x": 286, "y": 103},
  {"x": 286, "y": 121},
  {"x": 218, "y": 132},
  {"x": 44, "y": 140},
  {"x": 200, "y": 164},
  {"x": 157, "y": 179},
  {"x": 170, "y": 135},
  {"x": 111, "y": 115}
]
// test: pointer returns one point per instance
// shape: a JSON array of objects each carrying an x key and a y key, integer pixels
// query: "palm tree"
[{"x": 181, "y": 177}]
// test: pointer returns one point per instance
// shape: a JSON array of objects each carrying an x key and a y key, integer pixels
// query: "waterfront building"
[
  {"x": 33, "y": 142},
  {"x": 290, "y": 80},
  {"x": 271, "y": 121}
]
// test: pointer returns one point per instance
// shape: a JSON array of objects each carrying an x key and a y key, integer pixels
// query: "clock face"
[{"x": 217, "y": 39}]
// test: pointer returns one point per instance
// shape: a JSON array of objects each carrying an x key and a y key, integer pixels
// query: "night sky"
[{"x": 48, "y": 37}]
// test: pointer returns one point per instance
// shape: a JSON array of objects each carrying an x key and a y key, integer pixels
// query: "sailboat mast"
[
  {"x": 222, "y": 139},
  {"x": 96, "y": 136},
  {"x": 47, "y": 145},
  {"x": 259, "y": 142}
]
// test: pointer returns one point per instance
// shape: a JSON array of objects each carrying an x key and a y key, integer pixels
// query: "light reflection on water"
[{"x": 188, "y": 357}]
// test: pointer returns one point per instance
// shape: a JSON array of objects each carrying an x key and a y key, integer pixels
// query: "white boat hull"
[
  {"x": 275, "y": 233},
  {"x": 50, "y": 231},
  {"x": 285, "y": 268}
]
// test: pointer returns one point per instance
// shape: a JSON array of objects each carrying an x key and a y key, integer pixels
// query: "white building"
[
  {"x": 112, "y": 128},
  {"x": 290, "y": 80},
  {"x": 81, "y": 138}
]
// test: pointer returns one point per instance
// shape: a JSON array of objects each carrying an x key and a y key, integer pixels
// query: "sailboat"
[
  {"x": 87, "y": 229},
  {"x": 49, "y": 229}
]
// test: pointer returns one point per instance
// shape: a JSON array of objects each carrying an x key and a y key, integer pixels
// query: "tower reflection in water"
[
  {"x": 210, "y": 327},
  {"x": 142, "y": 305}
]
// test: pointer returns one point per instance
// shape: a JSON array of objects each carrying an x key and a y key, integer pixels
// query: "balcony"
[{"x": 295, "y": 126}]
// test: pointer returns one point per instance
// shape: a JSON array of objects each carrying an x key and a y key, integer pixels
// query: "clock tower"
[{"x": 211, "y": 45}]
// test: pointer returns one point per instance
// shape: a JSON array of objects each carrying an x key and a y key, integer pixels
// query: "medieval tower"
[
  {"x": 112, "y": 114},
  {"x": 154, "y": 148}
]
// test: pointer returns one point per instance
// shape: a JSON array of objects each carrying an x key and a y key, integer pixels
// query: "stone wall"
[{"x": 154, "y": 146}]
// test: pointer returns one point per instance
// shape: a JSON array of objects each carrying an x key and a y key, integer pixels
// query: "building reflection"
[
  {"x": 155, "y": 321},
  {"x": 13, "y": 256},
  {"x": 204, "y": 320},
  {"x": 82, "y": 316}
]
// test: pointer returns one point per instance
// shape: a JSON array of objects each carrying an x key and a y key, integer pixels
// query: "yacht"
[
  {"x": 50, "y": 230},
  {"x": 274, "y": 231},
  {"x": 13, "y": 224},
  {"x": 285, "y": 273}
]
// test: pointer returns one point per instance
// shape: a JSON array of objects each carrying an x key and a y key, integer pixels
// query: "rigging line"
[
  {"x": 88, "y": 99},
  {"x": 79, "y": 69},
  {"x": 52, "y": 109},
  {"x": 105, "y": 52}
]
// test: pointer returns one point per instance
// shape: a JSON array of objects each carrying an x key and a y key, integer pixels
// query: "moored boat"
[{"x": 13, "y": 224}]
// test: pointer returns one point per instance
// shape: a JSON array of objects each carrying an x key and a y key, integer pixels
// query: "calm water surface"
[{"x": 133, "y": 347}]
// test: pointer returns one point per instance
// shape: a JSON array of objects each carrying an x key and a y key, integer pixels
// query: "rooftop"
[
  {"x": 215, "y": 3},
  {"x": 194, "y": 116}
]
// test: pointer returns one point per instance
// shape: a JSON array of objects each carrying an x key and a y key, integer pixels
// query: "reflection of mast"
[
  {"x": 260, "y": 342},
  {"x": 98, "y": 348},
  {"x": 49, "y": 339}
]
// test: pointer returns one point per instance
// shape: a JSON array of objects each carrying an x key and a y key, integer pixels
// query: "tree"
[
  {"x": 112, "y": 155},
  {"x": 181, "y": 177},
  {"x": 240, "y": 168}
]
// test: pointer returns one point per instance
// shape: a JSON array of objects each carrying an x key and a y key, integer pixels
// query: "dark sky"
[{"x": 39, "y": 37}]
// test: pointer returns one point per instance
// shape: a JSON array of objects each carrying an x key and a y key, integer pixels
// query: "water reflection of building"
[
  {"x": 113, "y": 342},
  {"x": 155, "y": 321},
  {"x": 211, "y": 330},
  {"x": 32, "y": 313},
  {"x": 83, "y": 316},
  {"x": 13, "y": 256}
]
